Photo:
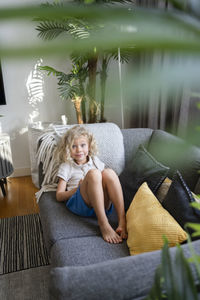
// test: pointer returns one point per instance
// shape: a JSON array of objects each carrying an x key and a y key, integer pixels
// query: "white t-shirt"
[{"x": 72, "y": 173}]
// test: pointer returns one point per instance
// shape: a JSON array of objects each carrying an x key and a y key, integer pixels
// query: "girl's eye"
[
  {"x": 73, "y": 146},
  {"x": 83, "y": 145}
]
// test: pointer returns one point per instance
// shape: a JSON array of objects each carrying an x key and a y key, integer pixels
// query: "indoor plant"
[{"x": 79, "y": 84}]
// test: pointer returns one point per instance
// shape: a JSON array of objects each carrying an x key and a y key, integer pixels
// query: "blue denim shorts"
[{"x": 77, "y": 205}]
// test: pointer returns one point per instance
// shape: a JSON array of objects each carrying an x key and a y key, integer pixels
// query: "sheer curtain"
[{"x": 174, "y": 111}]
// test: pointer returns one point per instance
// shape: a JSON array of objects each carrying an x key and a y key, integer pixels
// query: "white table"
[{"x": 6, "y": 165}]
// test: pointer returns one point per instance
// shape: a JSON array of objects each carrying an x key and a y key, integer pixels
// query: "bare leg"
[
  {"x": 92, "y": 192},
  {"x": 112, "y": 188}
]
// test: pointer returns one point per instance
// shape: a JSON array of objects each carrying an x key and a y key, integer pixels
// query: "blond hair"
[{"x": 65, "y": 146}]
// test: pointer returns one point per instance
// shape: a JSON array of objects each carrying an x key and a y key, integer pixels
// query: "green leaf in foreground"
[
  {"x": 185, "y": 284},
  {"x": 173, "y": 278},
  {"x": 195, "y": 227},
  {"x": 136, "y": 28}
]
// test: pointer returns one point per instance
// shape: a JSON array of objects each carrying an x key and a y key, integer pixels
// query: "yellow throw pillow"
[
  {"x": 163, "y": 189},
  {"x": 148, "y": 221}
]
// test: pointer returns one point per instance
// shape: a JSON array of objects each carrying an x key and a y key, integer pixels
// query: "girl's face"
[{"x": 80, "y": 150}]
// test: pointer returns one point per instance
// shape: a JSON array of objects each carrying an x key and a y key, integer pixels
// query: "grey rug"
[
  {"x": 31, "y": 284},
  {"x": 21, "y": 244}
]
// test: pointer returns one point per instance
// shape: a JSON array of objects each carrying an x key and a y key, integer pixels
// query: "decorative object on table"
[
  {"x": 6, "y": 166},
  {"x": 21, "y": 244}
]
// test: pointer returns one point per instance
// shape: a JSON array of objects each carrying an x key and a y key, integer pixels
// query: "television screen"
[{"x": 2, "y": 93}]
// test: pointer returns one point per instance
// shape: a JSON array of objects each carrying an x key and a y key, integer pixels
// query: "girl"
[{"x": 89, "y": 188}]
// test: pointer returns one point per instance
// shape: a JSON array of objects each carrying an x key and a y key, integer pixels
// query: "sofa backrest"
[
  {"x": 117, "y": 147},
  {"x": 177, "y": 154},
  {"x": 167, "y": 149},
  {"x": 110, "y": 144},
  {"x": 133, "y": 137}
]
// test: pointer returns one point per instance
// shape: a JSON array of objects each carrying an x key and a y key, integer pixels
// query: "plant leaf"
[
  {"x": 146, "y": 29},
  {"x": 68, "y": 91},
  {"x": 49, "y": 70},
  {"x": 157, "y": 292},
  {"x": 195, "y": 205},
  {"x": 185, "y": 285},
  {"x": 167, "y": 270},
  {"x": 195, "y": 227},
  {"x": 49, "y": 30},
  {"x": 173, "y": 278}
]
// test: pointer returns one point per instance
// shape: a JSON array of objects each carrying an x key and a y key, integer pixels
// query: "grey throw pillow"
[{"x": 143, "y": 168}]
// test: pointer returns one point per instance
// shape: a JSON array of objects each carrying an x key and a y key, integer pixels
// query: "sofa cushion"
[
  {"x": 82, "y": 251},
  {"x": 124, "y": 278},
  {"x": 178, "y": 200},
  {"x": 143, "y": 167},
  {"x": 177, "y": 154},
  {"x": 148, "y": 221},
  {"x": 59, "y": 223}
]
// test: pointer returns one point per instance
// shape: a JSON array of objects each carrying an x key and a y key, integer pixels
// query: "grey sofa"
[{"x": 83, "y": 266}]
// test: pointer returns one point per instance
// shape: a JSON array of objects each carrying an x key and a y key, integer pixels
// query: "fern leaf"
[
  {"x": 49, "y": 30},
  {"x": 68, "y": 91},
  {"x": 50, "y": 70},
  {"x": 65, "y": 78},
  {"x": 79, "y": 59},
  {"x": 79, "y": 33},
  {"x": 62, "y": 77}
]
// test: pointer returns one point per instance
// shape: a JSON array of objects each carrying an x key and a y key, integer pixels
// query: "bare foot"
[
  {"x": 109, "y": 235},
  {"x": 121, "y": 230}
]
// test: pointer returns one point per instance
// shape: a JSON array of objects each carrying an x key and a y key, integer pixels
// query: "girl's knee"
[
  {"x": 108, "y": 174},
  {"x": 94, "y": 175}
]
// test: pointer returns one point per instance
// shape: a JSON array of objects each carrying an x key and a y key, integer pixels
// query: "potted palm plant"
[{"x": 79, "y": 85}]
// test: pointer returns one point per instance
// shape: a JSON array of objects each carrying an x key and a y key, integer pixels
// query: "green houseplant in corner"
[{"x": 79, "y": 85}]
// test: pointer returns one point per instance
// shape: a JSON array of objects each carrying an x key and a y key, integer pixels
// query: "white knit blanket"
[
  {"x": 46, "y": 155},
  {"x": 110, "y": 144}
]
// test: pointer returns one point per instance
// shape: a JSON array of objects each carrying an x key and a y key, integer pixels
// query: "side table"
[{"x": 6, "y": 165}]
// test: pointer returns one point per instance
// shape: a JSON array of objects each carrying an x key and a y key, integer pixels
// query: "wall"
[{"x": 24, "y": 104}]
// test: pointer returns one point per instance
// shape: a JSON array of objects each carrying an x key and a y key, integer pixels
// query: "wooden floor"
[{"x": 20, "y": 197}]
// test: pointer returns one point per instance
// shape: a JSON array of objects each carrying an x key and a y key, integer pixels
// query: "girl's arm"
[{"x": 61, "y": 193}]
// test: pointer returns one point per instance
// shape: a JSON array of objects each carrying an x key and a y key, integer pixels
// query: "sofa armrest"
[{"x": 127, "y": 278}]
